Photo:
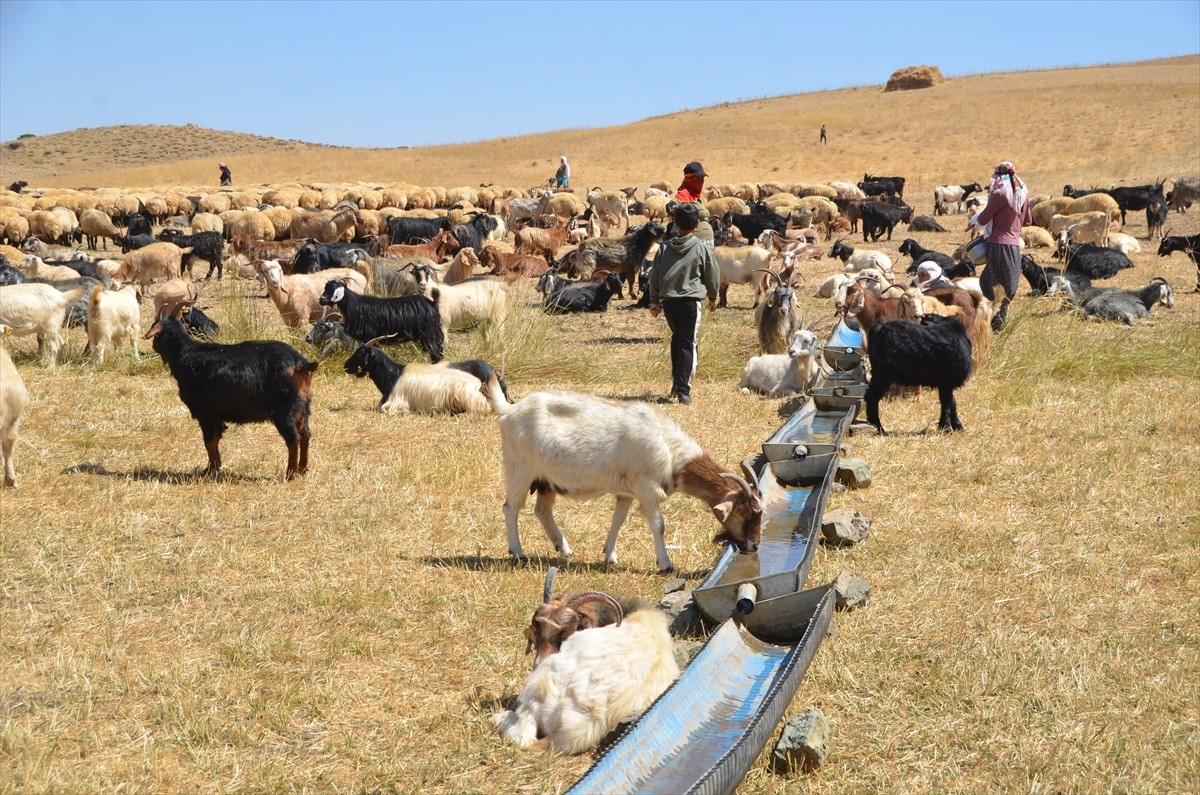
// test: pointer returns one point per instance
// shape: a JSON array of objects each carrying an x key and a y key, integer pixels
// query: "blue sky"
[{"x": 412, "y": 74}]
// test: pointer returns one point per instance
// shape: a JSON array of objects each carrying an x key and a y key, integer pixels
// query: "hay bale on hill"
[{"x": 911, "y": 77}]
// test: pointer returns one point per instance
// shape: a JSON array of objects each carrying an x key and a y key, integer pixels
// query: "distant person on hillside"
[
  {"x": 562, "y": 177},
  {"x": 822, "y": 135},
  {"x": 691, "y": 190},
  {"x": 226, "y": 176},
  {"x": 1001, "y": 219}
]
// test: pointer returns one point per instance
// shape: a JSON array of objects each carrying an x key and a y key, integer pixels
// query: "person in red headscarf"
[
  {"x": 1007, "y": 210},
  {"x": 691, "y": 191}
]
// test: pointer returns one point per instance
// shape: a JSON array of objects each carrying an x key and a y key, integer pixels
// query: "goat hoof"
[
  {"x": 666, "y": 570},
  {"x": 519, "y": 561}
]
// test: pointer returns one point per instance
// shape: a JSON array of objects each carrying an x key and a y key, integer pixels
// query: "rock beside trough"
[
  {"x": 803, "y": 743},
  {"x": 854, "y": 473},
  {"x": 681, "y": 609},
  {"x": 851, "y": 591},
  {"x": 843, "y": 527}
]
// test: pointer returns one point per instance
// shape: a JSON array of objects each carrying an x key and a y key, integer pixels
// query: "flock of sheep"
[{"x": 360, "y": 267}]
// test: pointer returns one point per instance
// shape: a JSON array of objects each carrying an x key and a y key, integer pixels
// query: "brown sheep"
[
  {"x": 96, "y": 224},
  {"x": 155, "y": 261},
  {"x": 325, "y": 226}
]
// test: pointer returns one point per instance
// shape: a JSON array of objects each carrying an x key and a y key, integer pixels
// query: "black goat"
[
  {"x": 935, "y": 352},
  {"x": 18, "y": 186},
  {"x": 474, "y": 232},
  {"x": 132, "y": 242},
  {"x": 1189, "y": 245},
  {"x": 207, "y": 246},
  {"x": 1097, "y": 262},
  {"x": 921, "y": 254},
  {"x": 1156, "y": 217},
  {"x": 565, "y": 297},
  {"x": 925, "y": 223},
  {"x": 1136, "y": 198},
  {"x": 313, "y": 256},
  {"x": 256, "y": 381},
  {"x": 1041, "y": 278},
  {"x": 9, "y": 274},
  {"x": 622, "y": 255},
  {"x": 878, "y": 216},
  {"x": 198, "y": 324},
  {"x": 137, "y": 224},
  {"x": 1113, "y": 303},
  {"x": 880, "y": 186},
  {"x": 409, "y": 231},
  {"x": 384, "y": 372},
  {"x": 760, "y": 219},
  {"x": 1075, "y": 193},
  {"x": 328, "y": 337},
  {"x": 409, "y": 318}
]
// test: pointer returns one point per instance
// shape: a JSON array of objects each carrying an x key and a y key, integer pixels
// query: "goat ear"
[{"x": 722, "y": 510}]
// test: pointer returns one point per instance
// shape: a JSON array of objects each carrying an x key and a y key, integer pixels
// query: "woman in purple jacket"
[{"x": 1007, "y": 210}]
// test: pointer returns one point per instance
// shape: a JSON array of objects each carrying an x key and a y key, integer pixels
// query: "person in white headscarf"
[
  {"x": 930, "y": 276},
  {"x": 1007, "y": 210},
  {"x": 563, "y": 175}
]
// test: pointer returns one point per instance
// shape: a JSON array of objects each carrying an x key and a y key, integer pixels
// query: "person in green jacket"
[{"x": 683, "y": 274}]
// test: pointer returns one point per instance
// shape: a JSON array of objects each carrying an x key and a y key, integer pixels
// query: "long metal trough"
[{"x": 704, "y": 732}]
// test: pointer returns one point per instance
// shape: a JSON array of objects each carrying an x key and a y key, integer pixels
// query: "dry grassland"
[{"x": 1033, "y": 619}]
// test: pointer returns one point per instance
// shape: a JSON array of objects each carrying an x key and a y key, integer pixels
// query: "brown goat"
[
  {"x": 544, "y": 242},
  {"x": 869, "y": 309},
  {"x": 436, "y": 250},
  {"x": 502, "y": 263}
]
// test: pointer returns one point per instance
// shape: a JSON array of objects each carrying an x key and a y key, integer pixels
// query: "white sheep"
[
  {"x": 780, "y": 374},
  {"x": 13, "y": 397},
  {"x": 297, "y": 295},
  {"x": 469, "y": 303},
  {"x": 113, "y": 317},
  {"x": 601, "y": 677},
  {"x": 35, "y": 308},
  {"x": 566, "y": 443}
]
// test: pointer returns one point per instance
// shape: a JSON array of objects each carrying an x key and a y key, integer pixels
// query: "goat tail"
[
  {"x": 94, "y": 301},
  {"x": 981, "y": 331},
  {"x": 495, "y": 395},
  {"x": 363, "y": 267}
]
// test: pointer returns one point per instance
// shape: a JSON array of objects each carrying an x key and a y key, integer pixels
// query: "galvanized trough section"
[
  {"x": 704, "y": 732},
  {"x": 790, "y": 523}
]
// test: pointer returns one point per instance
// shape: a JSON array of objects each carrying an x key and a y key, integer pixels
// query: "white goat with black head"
[{"x": 583, "y": 446}]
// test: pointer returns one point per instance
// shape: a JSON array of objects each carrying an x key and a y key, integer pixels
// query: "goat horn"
[
  {"x": 549, "y": 587},
  {"x": 778, "y": 281},
  {"x": 597, "y": 596},
  {"x": 738, "y": 479},
  {"x": 370, "y": 343}
]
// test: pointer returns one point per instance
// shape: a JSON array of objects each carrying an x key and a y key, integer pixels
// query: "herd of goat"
[{"x": 358, "y": 277}]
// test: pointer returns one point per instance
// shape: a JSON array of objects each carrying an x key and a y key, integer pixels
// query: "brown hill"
[
  {"x": 1122, "y": 122},
  {"x": 79, "y": 152}
]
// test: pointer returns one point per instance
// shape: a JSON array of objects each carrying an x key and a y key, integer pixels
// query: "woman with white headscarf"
[{"x": 1007, "y": 210}]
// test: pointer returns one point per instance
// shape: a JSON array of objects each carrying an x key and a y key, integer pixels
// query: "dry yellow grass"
[{"x": 1033, "y": 623}]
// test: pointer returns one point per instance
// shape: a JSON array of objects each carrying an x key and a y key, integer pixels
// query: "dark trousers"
[
  {"x": 1003, "y": 270},
  {"x": 683, "y": 318}
]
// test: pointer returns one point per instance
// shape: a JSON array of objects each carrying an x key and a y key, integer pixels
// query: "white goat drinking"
[{"x": 582, "y": 446}]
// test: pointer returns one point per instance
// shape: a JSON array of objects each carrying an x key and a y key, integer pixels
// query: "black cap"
[{"x": 694, "y": 168}]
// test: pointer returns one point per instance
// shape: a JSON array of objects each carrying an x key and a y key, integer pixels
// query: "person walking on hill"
[
  {"x": 684, "y": 272},
  {"x": 226, "y": 176},
  {"x": 562, "y": 177},
  {"x": 822, "y": 135},
  {"x": 691, "y": 190},
  {"x": 1001, "y": 219}
]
